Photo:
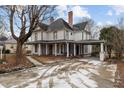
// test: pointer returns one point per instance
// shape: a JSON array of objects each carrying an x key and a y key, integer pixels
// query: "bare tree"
[
  {"x": 25, "y": 19},
  {"x": 90, "y": 23},
  {"x": 118, "y": 38}
]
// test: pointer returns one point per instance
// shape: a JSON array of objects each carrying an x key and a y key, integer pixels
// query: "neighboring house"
[
  {"x": 10, "y": 45},
  {"x": 62, "y": 38}
]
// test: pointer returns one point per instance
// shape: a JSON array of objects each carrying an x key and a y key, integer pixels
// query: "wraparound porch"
[{"x": 67, "y": 48}]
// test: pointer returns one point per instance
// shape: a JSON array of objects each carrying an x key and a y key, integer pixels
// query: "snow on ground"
[
  {"x": 72, "y": 73},
  {"x": 94, "y": 71},
  {"x": 83, "y": 71},
  {"x": 112, "y": 68},
  {"x": 84, "y": 60},
  {"x": 95, "y": 62},
  {"x": 45, "y": 82},
  {"x": 32, "y": 85},
  {"x": 51, "y": 70},
  {"x": 90, "y": 60},
  {"x": 82, "y": 79},
  {"x": 59, "y": 83},
  {"x": 1, "y": 86}
]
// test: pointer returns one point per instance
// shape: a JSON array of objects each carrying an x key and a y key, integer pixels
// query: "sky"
[{"x": 101, "y": 14}]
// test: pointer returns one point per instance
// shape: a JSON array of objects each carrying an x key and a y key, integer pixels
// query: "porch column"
[
  {"x": 102, "y": 53},
  {"x": 39, "y": 49},
  {"x": 106, "y": 52},
  {"x": 74, "y": 49},
  {"x": 59, "y": 49},
  {"x": 32, "y": 49},
  {"x": 79, "y": 49},
  {"x": 67, "y": 46},
  {"x": 55, "y": 49},
  {"x": 46, "y": 49}
]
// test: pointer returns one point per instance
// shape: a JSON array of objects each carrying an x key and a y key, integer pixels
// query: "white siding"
[
  {"x": 84, "y": 36},
  {"x": 60, "y": 35},
  {"x": 45, "y": 36},
  {"x": 38, "y": 35},
  {"x": 77, "y": 36},
  {"x": 71, "y": 34},
  {"x": 50, "y": 35},
  {"x": 32, "y": 37},
  {"x": 66, "y": 36}
]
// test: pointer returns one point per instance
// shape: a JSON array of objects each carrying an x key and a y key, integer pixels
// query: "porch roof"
[{"x": 67, "y": 41}]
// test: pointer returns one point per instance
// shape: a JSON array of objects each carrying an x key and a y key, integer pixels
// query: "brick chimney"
[{"x": 70, "y": 18}]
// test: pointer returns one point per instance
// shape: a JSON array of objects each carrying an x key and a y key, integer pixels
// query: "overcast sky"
[{"x": 101, "y": 14}]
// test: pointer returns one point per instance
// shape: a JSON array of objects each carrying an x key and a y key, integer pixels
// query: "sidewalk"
[{"x": 35, "y": 62}]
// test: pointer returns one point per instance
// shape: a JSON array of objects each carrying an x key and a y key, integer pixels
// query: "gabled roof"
[
  {"x": 10, "y": 40},
  {"x": 80, "y": 26},
  {"x": 3, "y": 38},
  {"x": 59, "y": 24},
  {"x": 43, "y": 26}
]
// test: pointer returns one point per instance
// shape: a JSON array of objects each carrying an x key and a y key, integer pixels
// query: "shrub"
[
  {"x": 28, "y": 51},
  {"x": 7, "y": 51},
  {"x": 95, "y": 54}
]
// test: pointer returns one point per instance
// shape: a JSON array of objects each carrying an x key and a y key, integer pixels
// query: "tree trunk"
[
  {"x": 19, "y": 53},
  {"x": 109, "y": 51}
]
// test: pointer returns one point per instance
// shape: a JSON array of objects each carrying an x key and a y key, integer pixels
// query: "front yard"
[
  {"x": 49, "y": 59},
  {"x": 8, "y": 64},
  {"x": 73, "y": 73}
]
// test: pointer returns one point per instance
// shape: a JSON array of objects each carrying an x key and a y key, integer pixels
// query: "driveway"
[{"x": 75, "y": 73}]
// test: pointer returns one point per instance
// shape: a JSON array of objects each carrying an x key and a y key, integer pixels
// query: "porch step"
[{"x": 35, "y": 62}]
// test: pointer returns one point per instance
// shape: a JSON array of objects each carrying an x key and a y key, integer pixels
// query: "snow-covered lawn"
[{"x": 79, "y": 73}]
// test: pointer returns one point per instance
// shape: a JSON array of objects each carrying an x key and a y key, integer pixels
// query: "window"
[
  {"x": 11, "y": 46},
  {"x": 41, "y": 35},
  {"x": 35, "y": 36},
  {"x": 67, "y": 36},
  {"x": 71, "y": 33},
  {"x": 82, "y": 36},
  {"x": 55, "y": 35}
]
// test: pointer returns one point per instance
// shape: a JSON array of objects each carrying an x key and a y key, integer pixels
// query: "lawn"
[{"x": 11, "y": 65}]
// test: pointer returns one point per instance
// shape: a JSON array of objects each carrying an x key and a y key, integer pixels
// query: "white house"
[{"x": 62, "y": 38}]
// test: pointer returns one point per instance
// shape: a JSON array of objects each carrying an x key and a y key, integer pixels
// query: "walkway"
[{"x": 32, "y": 60}]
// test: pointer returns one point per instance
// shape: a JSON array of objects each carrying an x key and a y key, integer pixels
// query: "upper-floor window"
[
  {"x": 67, "y": 35},
  {"x": 41, "y": 35},
  {"x": 71, "y": 33},
  {"x": 35, "y": 36},
  {"x": 55, "y": 35},
  {"x": 82, "y": 35}
]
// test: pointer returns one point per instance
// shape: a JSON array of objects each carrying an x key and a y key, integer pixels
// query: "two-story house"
[{"x": 62, "y": 38}]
